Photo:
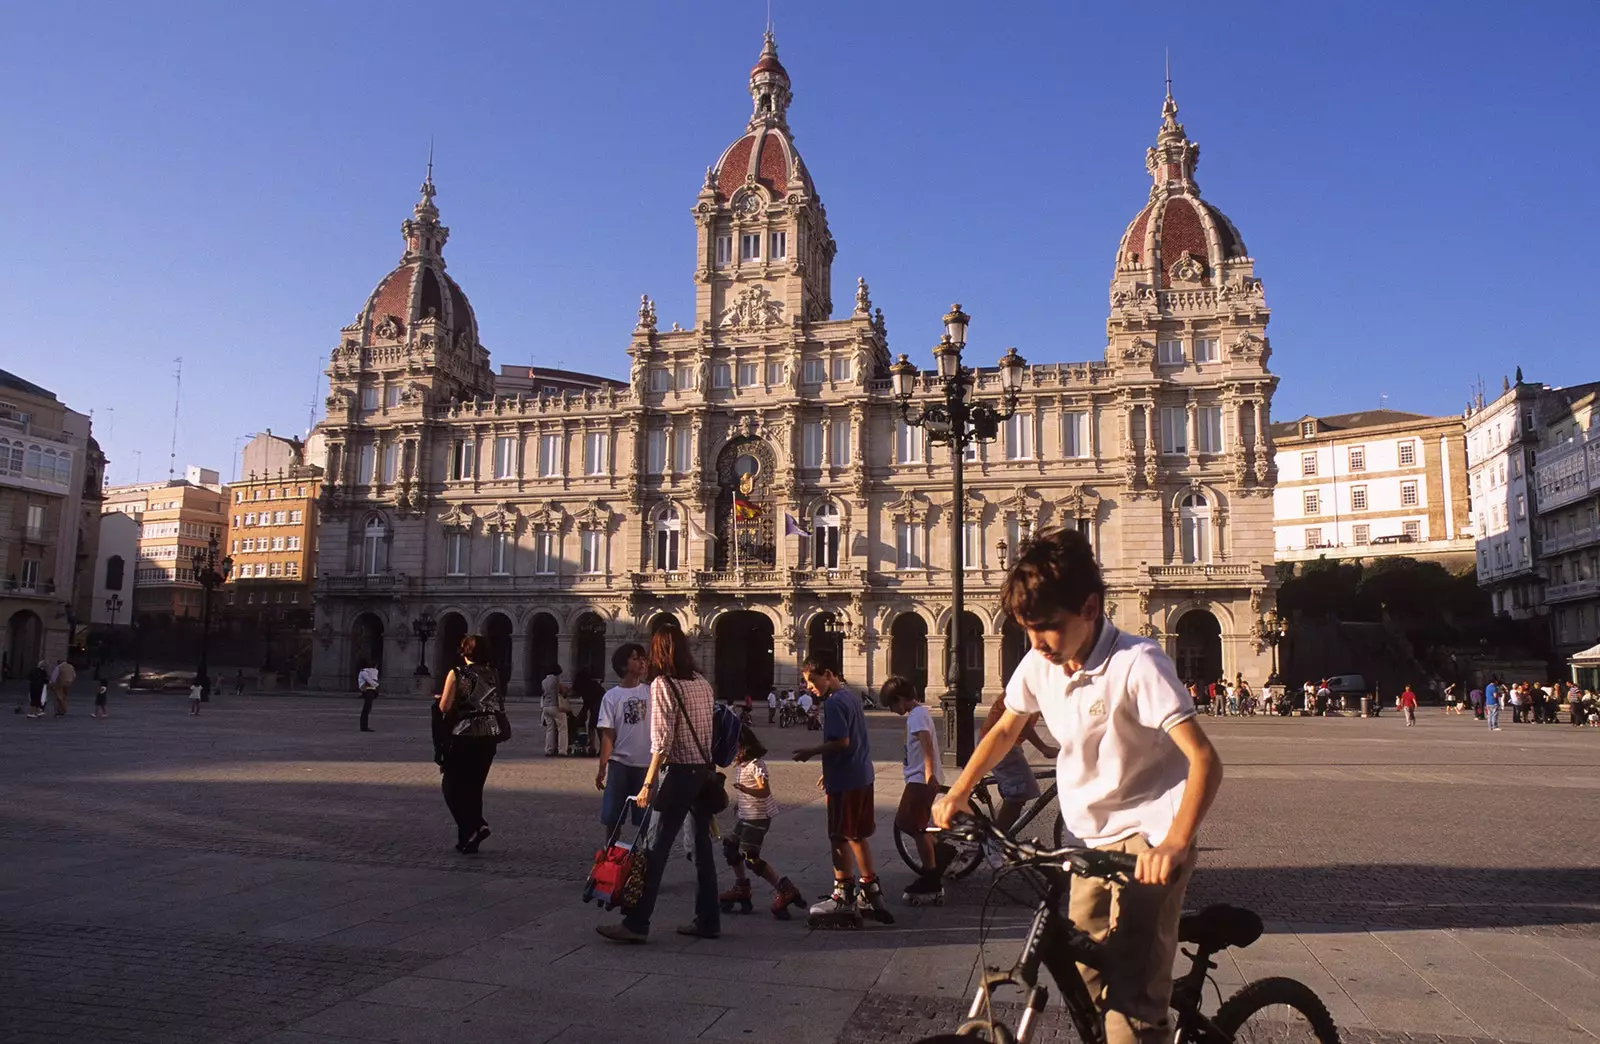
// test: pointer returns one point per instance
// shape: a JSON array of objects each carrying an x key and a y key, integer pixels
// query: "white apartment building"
[
  {"x": 1567, "y": 514},
  {"x": 1371, "y": 484},
  {"x": 1501, "y": 439}
]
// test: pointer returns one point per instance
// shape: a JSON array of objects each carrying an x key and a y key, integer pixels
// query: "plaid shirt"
[{"x": 667, "y": 729}]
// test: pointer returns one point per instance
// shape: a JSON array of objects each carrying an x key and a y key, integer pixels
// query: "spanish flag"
[{"x": 743, "y": 510}]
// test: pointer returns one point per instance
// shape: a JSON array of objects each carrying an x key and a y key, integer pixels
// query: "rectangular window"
[
  {"x": 455, "y": 553},
  {"x": 1358, "y": 458},
  {"x": 1522, "y": 508},
  {"x": 249, "y": 544},
  {"x": 277, "y": 543},
  {"x": 295, "y": 517},
  {"x": 1308, "y": 429},
  {"x": 505, "y": 457},
  {"x": 682, "y": 450},
  {"x": 591, "y": 542},
  {"x": 655, "y": 455},
  {"x": 814, "y": 372},
  {"x": 1174, "y": 429},
  {"x": 500, "y": 554},
  {"x": 1408, "y": 454},
  {"x": 366, "y": 464},
  {"x": 1312, "y": 502},
  {"x": 391, "y": 396},
  {"x": 390, "y": 470},
  {"x": 839, "y": 443},
  {"x": 462, "y": 455},
  {"x": 686, "y": 378},
  {"x": 369, "y": 397},
  {"x": 1169, "y": 352},
  {"x": 908, "y": 545},
  {"x": 1205, "y": 350},
  {"x": 238, "y": 497},
  {"x": 549, "y": 456},
  {"x": 544, "y": 552},
  {"x": 1408, "y": 494},
  {"x": 1358, "y": 498},
  {"x": 594, "y": 453},
  {"x": 1308, "y": 465},
  {"x": 1314, "y": 537},
  {"x": 1019, "y": 437},
  {"x": 774, "y": 374},
  {"x": 660, "y": 379},
  {"x": 724, "y": 251},
  {"x": 749, "y": 375},
  {"x": 1075, "y": 434},
  {"x": 1208, "y": 428},
  {"x": 908, "y": 443},
  {"x": 294, "y": 544},
  {"x": 721, "y": 376},
  {"x": 972, "y": 545},
  {"x": 777, "y": 246},
  {"x": 276, "y": 569},
  {"x": 811, "y": 444},
  {"x": 969, "y": 452},
  {"x": 292, "y": 569},
  {"x": 1361, "y": 535},
  {"x": 843, "y": 368},
  {"x": 1411, "y": 530},
  {"x": 750, "y": 246}
]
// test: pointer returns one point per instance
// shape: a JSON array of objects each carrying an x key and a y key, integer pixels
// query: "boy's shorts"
[
  {"x": 916, "y": 808},
  {"x": 1015, "y": 777},
  {"x": 851, "y": 815}
]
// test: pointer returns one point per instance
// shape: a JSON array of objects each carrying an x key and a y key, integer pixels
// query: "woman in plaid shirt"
[{"x": 681, "y": 703}]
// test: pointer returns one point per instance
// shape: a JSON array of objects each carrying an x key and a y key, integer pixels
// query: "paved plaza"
[{"x": 268, "y": 873}]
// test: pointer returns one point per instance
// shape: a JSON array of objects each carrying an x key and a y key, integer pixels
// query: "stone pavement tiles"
[{"x": 267, "y": 873}]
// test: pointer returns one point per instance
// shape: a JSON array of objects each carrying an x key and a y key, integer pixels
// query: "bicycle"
[
  {"x": 1060, "y": 946},
  {"x": 965, "y": 857}
]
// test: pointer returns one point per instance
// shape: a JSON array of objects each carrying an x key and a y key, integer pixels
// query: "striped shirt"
[{"x": 668, "y": 730}]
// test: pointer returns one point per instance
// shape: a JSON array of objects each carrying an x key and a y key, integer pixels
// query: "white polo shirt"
[{"x": 1119, "y": 772}]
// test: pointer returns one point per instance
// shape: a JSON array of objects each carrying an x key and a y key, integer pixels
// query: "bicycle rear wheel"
[
  {"x": 967, "y": 855},
  {"x": 1279, "y": 1010}
]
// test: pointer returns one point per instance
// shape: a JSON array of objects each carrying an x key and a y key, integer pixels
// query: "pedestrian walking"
[
  {"x": 922, "y": 781},
  {"x": 624, "y": 727},
  {"x": 1491, "y": 706},
  {"x": 742, "y": 848},
  {"x": 474, "y": 713},
  {"x": 847, "y": 778},
  {"x": 196, "y": 694},
  {"x": 1408, "y": 704},
  {"x": 61, "y": 680},
  {"x": 553, "y": 712},
  {"x": 100, "y": 699},
  {"x": 588, "y": 693},
  {"x": 238, "y": 682},
  {"x": 772, "y": 706},
  {"x": 367, "y": 682},
  {"x": 681, "y": 702},
  {"x": 38, "y": 681}
]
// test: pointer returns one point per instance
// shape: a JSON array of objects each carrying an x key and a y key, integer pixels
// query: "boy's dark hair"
[
  {"x": 820, "y": 660},
  {"x": 475, "y": 647},
  {"x": 669, "y": 653},
  {"x": 1055, "y": 573},
  {"x": 750, "y": 743},
  {"x": 620, "y": 658},
  {"x": 898, "y": 688}
]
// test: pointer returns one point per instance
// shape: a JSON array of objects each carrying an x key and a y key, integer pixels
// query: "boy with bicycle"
[{"x": 1136, "y": 773}]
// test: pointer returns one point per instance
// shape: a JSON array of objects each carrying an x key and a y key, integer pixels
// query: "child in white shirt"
[{"x": 923, "y": 777}]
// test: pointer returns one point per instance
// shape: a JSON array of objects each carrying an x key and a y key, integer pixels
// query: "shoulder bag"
[{"x": 713, "y": 796}]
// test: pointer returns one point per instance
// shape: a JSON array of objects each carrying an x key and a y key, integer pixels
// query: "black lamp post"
[
  {"x": 138, "y": 650},
  {"x": 209, "y": 574},
  {"x": 958, "y": 422},
  {"x": 113, "y": 607},
  {"x": 423, "y": 627}
]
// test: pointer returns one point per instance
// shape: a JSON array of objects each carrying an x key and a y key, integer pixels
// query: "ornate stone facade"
[{"x": 754, "y": 480}]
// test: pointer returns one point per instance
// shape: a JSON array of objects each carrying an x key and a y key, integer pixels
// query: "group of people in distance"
[
  {"x": 1136, "y": 771},
  {"x": 1527, "y": 703}
]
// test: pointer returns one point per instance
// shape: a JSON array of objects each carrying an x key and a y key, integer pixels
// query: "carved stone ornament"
[
  {"x": 464, "y": 341},
  {"x": 1188, "y": 269},
  {"x": 503, "y": 518},
  {"x": 863, "y": 298},
  {"x": 456, "y": 517},
  {"x": 595, "y": 515},
  {"x": 1150, "y": 630},
  {"x": 1139, "y": 352},
  {"x": 753, "y": 309},
  {"x": 1255, "y": 600},
  {"x": 974, "y": 507},
  {"x": 390, "y": 328},
  {"x": 911, "y": 507},
  {"x": 1144, "y": 603},
  {"x": 546, "y": 514},
  {"x": 1248, "y": 346},
  {"x": 647, "y": 314}
]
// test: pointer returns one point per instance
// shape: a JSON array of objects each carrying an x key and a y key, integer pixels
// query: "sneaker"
[
  {"x": 869, "y": 901},
  {"x": 693, "y": 929},
  {"x": 620, "y": 933},
  {"x": 924, "y": 891}
]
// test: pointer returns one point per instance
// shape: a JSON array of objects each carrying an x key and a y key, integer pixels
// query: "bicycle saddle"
[{"x": 1219, "y": 927}]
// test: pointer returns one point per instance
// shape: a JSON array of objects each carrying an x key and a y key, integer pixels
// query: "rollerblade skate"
[
  {"x": 925, "y": 891},
  {"x": 837, "y": 911},
  {"x": 787, "y": 895},
  {"x": 738, "y": 895},
  {"x": 870, "y": 904}
]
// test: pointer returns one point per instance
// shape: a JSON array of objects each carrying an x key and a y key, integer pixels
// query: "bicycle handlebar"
[{"x": 1085, "y": 862}]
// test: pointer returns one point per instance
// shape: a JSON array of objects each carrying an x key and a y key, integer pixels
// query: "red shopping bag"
[{"x": 612, "y": 865}]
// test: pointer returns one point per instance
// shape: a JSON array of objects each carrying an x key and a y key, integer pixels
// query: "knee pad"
[
  {"x": 757, "y": 866},
  {"x": 730, "y": 850}
]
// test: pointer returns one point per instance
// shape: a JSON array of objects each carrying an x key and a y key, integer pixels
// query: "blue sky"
[{"x": 225, "y": 182}]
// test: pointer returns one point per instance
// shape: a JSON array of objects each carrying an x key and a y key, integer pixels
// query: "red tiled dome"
[
  {"x": 419, "y": 288},
  {"x": 768, "y": 154}
]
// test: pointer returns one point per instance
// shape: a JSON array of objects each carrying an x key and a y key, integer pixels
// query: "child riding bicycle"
[{"x": 1137, "y": 773}]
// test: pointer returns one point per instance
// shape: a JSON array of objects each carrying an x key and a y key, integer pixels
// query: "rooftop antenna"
[
  {"x": 177, "y": 393},
  {"x": 138, "y": 465},
  {"x": 1169, "y": 71},
  {"x": 430, "y": 159},
  {"x": 1383, "y": 400}
]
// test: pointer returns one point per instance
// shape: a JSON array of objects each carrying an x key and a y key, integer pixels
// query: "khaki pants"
[
  {"x": 555, "y": 730},
  {"x": 60, "y": 694},
  {"x": 1138, "y": 925}
]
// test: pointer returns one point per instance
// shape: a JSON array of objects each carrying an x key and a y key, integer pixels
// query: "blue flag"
[{"x": 792, "y": 528}]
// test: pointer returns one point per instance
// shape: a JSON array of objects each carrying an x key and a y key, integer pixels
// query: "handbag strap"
[{"x": 683, "y": 715}]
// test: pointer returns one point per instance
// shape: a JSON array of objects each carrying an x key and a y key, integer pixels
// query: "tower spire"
[
  {"x": 424, "y": 235},
  {"x": 1172, "y": 161},
  {"x": 769, "y": 85}
]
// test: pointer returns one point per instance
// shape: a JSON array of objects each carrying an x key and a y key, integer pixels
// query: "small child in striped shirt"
[{"x": 756, "y": 808}]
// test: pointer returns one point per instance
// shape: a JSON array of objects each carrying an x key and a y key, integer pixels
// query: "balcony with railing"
[
  {"x": 1565, "y": 540},
  {"x": 1188, "y": 574},
  {"x": 1572, "y": 590},
  {"x": 380, "y": 583}
]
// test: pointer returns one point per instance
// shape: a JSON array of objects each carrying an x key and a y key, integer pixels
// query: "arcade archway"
[
  {"x": 1199, "y": 651},
  {"x": 743, "y": 656}
]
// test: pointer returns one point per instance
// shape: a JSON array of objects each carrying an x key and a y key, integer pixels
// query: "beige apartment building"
[
  {"x": 272, "y": 530},
  {"x": 561, "y": 524},
  {"x": 1373, "y": 484},
  {"x": 50, "y": 474},
  {"x": 177, "y": 518}
]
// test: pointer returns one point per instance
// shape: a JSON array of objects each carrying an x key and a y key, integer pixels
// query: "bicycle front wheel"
[{"x": 1276, "y": 1010}]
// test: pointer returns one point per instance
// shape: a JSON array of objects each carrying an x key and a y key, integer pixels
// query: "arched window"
[
  {"x": 1194, "y": 529},
  {"x": 374, "y": 539},
  {"x": 825, "y": 537},
  {"x": 668, "y": 534},
  {"x": 114, "y": 573}
]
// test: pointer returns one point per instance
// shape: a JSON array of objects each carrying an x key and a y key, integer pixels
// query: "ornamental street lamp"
[
  {"x": 1273, "y": 629},
  {"x": 958, "y": 422},
  {"x": 113, "y": 607},
  {"x": 423, "y": 627},
  {"x": 209, "y": 574}
]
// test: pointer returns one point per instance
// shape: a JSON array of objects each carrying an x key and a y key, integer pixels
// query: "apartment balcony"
[
  {"x": 16, "y": 587},
  {"x": 380, "y": 584},
  {"x": 1241, "y": 572},
  {"x": 829, "y": 579},
  {"x": 1397, "y": 547},
  {"x": 1573, "y": 591},
  {"x": 1579, "y": 537}
]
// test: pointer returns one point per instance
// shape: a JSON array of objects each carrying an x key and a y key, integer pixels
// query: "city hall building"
[{"x": 753, "y": 477}]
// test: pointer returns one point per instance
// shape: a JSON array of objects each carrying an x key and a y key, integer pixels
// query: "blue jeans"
[
  {"x": 622, "y": 783},
  {"x": 675, "y": 794},
  {"x": 1492, "y": 712}
]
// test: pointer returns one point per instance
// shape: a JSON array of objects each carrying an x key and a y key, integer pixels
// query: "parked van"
[{"x": 1347, "y": 685}]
